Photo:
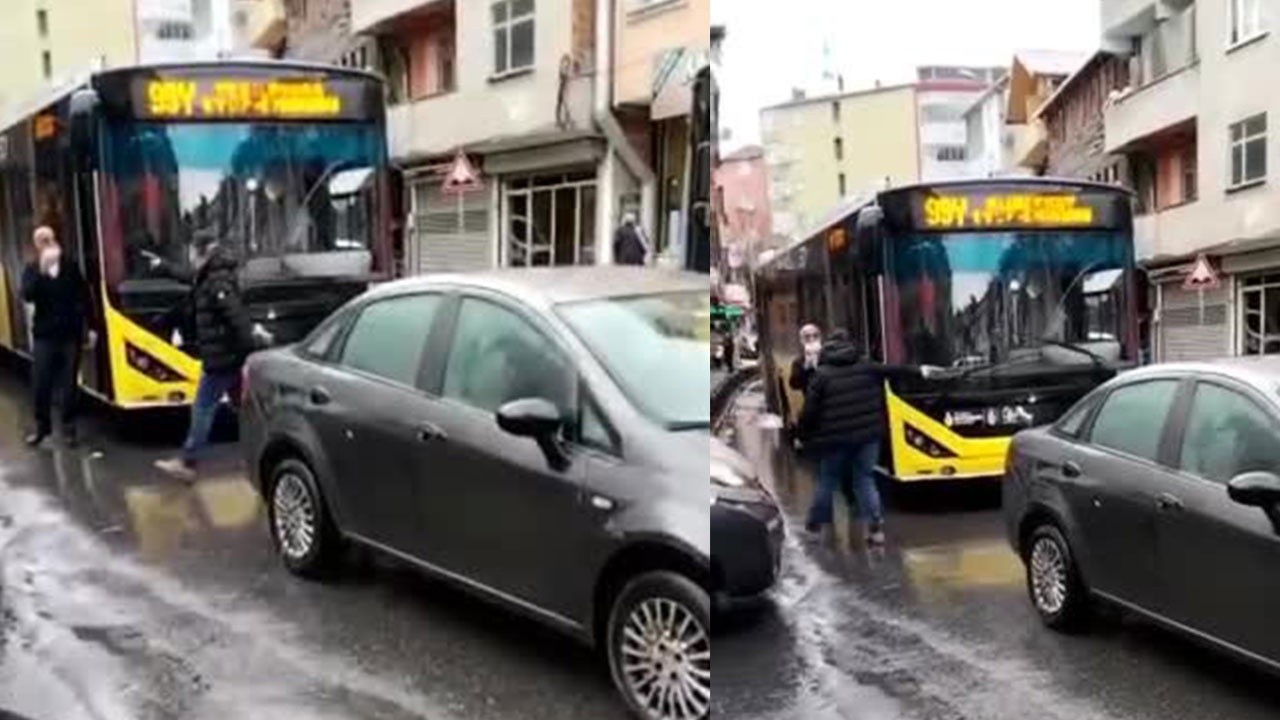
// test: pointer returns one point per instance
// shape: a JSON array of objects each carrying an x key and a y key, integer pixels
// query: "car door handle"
[
  {"x": 1071, "y": 469},
  {"x": 1168, "y": 503},
  {"x": 320, "y": 396},
  {"x": 428, "y": 432}
]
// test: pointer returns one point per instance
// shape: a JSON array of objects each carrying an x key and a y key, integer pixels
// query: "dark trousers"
[
  {"x": 850, "y": 468},
  {"x": 56, "y": 365},
  {"x": 213, "y": 385}
]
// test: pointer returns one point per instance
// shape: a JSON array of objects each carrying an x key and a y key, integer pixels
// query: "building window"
[
  {"x": 1246, "y": 20},
  {"x": 1189, "y": 174},
  {"x": 551, "y": 220},
  {"x": 512, "y": 35},
  {"x": 838, "y": 147},
  {"x": 46, "y": 64},
  {"x": 841, "y": 183},
  {"x": 1260, "y": 305},
  {"x": 42, "y": 23},
  {"x": 835, "y": 111},
  {"x": 951, "y": 153},
  {"x": 1249, "y": 150}
]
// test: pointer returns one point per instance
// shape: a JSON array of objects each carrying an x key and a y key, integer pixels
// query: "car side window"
[
  {"x": 389, "y": 337},
  {"x": 497, "y": 356},
  {"x": 1073, "y": 422},
  {"x": 1132, "y": 418},
  {"x": 320, "y": 345},
  {"x": 1227, "y": 434}
]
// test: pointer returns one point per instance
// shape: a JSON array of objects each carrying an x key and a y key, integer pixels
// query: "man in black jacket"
[
  {"x": 629, "y": 246},
  {"x": 53, "y": 284},
  {"x": 224, "y": 337},
  {"x": 843, "y": 422}
]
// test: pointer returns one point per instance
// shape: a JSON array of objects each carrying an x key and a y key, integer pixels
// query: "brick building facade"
[{"x": 1073, "y": 118}]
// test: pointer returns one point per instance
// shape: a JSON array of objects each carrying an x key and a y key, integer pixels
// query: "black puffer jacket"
[
  {"x": 224, "y": 333},
  {"x": 844, "y": 400}
]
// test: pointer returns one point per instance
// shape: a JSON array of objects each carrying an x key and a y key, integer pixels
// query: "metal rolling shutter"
[
  {"x": 446, "y": 240},
  {"x": 1184, "y": 335}
]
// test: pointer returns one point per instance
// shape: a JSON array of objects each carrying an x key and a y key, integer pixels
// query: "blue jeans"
[
  {"x": 212, "y": 387},
  {"x": 850, "y": 466}
]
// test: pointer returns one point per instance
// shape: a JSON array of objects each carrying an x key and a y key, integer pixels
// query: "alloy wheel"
[
  {"x": 295, "y": 516},
  {"x": 666, "y": 660},
  {"x": 1048, "y": 576}
]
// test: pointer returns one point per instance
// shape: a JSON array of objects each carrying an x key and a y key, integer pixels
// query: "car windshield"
[
  {"x": 976, "y": 299},
  {"x": 289, "y": 199},
  {"x": 655, "y": 347}
]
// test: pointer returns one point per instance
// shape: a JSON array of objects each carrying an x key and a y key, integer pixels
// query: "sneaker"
[
  {"x": 875, "y": 536},
  {"x": 178, "y": 468}
]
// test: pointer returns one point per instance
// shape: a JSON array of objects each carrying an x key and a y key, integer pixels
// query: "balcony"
[
  {"x": 1153, "y": 108},
  {"x": 1175, "y": 231},
  {"x": 258, "y": 23},
  {"x": 371, "y": 16},
  {"x": 1030, "y": 147},
  {"x": 1126, "y": 18}
]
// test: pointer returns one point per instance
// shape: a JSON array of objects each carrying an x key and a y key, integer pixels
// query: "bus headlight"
[
  {"x": 147, "y": 364},
  {"x": 926, "y": 444}
]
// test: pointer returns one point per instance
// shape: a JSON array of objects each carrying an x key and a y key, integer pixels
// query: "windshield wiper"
[{"x": 1098, "y": 360}]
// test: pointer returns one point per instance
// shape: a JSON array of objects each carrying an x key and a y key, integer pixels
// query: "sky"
[{"x": 771, "y": 47}]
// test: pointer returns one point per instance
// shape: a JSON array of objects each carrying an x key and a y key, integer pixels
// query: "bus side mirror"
[
  {"x": 84, "y": 127},
  {"x": 867, "y": 244}
]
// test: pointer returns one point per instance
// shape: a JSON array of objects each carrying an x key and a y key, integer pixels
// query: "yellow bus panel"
[
  {"x": 975, "y": 457},
  {"x": 134, "y": 389}
]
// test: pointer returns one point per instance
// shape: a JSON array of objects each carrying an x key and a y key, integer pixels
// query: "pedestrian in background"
[
  {"x": 842, "y": 422},
  {"x": 225, "y": 336},
  {"x": 806, "y": 362},
  {"x": 629, "y": 245},
  {"x": 54, "y": 285}
]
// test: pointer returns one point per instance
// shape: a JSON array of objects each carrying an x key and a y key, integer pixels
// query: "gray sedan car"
[
  {"x": 1159, "y": 492},
  {"x": 541, "y": 438}
]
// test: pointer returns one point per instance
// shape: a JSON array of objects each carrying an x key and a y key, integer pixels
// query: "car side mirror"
[
  {"x": 538, "y": 419},
  {"x": 1256, "y": 489}
]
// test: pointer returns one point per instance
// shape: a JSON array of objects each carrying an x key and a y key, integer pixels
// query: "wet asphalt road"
[
  {"x": 938, "y": 627},
  {"x": 128, "y": 596}
]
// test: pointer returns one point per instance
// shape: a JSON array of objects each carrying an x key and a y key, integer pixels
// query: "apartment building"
[
  {"x": 1034, "y": 75},
  {"x": 49, "y": 42},
  {"x": 1194, "y": 125},
  {"x": 823, "y": 149},
  {"x": 943, "y": 95},
  {"x": 988, "y": 143}
]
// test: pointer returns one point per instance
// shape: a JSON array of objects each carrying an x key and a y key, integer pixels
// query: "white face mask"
[{"x": 813, "y": 347}]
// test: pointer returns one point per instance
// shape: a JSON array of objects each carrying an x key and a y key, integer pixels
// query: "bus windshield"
[
  {"x": 977, "y": 299},
  {"x": 291, "y": 200}
]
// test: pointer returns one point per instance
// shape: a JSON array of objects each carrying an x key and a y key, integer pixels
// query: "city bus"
[
  {"x": 1023, "y": 291},
  {"x": 286, "y": 164}
]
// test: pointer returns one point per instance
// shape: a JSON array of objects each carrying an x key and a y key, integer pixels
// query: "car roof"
[
  {"x": 1261, "y": 371},
  {"x": 552, "y": 286}
]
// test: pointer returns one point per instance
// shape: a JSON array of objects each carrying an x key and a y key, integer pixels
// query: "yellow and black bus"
[
  {"x": 1023, "y": 290},
  {"x": 285, "y": 163}
]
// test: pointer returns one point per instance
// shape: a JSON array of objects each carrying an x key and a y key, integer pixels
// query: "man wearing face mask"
[
  {"x": 803, "y": 366},
  {"x": 54, "y": 285},
  {"x": 225, "y": 336}
]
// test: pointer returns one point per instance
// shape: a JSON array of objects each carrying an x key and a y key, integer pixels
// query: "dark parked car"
[
  {"x": 1159, "y": 492},
  {"x": 538, "y": 437}
]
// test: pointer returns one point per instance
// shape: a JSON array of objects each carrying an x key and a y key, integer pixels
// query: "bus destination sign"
[
  {"x": 231, "y": 98},
  {"x": 1021, "y": 209}
]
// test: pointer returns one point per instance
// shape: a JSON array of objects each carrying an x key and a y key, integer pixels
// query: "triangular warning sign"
[
  {"x": 462, "y": 176},
  {"x": 1202, "y": 276}
]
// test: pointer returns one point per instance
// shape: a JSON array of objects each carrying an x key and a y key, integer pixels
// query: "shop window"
[
  {"x": 1260, "y": 307},
  {"x": 550, "y": 220}
]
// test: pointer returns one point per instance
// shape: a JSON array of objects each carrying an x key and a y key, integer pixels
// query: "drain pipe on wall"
[{"x": 619, "y": 148}]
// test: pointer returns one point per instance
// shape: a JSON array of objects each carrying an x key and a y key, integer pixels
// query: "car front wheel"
[
  {"x": 1053, "y": 580},
  {"x": 659, "y": 647},
  {"x": 300, "y": 523}
]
